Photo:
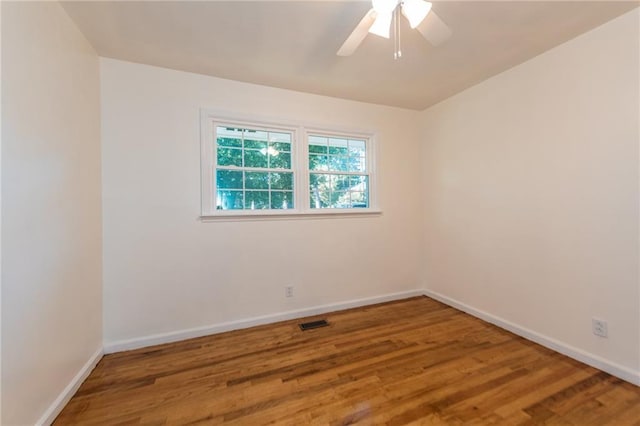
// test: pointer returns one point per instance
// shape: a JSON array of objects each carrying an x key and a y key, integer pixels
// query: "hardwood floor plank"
[{"x": 409, "y": 362}]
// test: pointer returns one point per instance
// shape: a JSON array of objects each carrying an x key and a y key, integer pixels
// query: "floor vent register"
[{"x": 313, "y": 324}]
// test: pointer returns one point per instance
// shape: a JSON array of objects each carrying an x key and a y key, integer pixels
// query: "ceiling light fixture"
[
  {"x": 384, "y": 13},
  {"x": 415, "y": 11},
  {"x": 382, "y": 25},
  {"x": 384, "y": 6}
]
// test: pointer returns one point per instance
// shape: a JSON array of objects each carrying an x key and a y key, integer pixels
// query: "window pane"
[
  {"x": 276, "y": 147},
  {"x": 318, "y": 162},
  {"x": 359, "y": 183},
  {"x": 357, "y": 164},
  {"x": 318, "y": 140},
  {"x": 317, "y": 149},
  {"x": 280, "y": 160},
  {"x": 318, "y": 145},
  {"x": 256, "y": 200},
  {"x": 254, "y": 158},
  {"x": 229, "y": 136},
  {"x": 345, "y": 155},
  {"x": 338, "y": 191},
  {"x": 357, "y": 155},
  {"x": 316, "y": 179},
  {"x": 229, "y": 200},
  {"x": 338, "y": 164},
  {"x": 229, "y": 157},
  {"x": 339, "y": 182},
  {"x": 281, "y": 199},
  {"x": 255, "y": 135},
  {"x": 281, "y": 181},
  {"x": 229, "y": 142},
  {"x": 338, "y": 146},
  {"x": 256, "y": 180},
  {"x": 250, "y": 143},
  {"x": 359, "y": 200},
  {"x": 229, "y": 179},
  {"x": 279, "y": 137},
  {"x": 336, "y": 150},
  {"x": 319, "y": 190},
  {"x": 357, "y": 148},
  {"x": 340, "y": 200},
  {"x": 319, "y": 198}
]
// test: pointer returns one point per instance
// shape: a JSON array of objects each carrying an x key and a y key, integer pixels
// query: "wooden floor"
[{"x": 414, "y": 361}]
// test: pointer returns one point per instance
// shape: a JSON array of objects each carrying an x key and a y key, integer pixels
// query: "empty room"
[{"x": 383, "y": 212}]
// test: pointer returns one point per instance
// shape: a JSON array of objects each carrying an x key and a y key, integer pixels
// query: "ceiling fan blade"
[
  {"x": 434, "y": 29},
  {"x": 358, "y": 34}
]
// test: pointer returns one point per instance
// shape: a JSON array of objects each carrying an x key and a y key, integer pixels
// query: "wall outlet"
[
  {"x": 288, "y": 291},
  {"x": 599, "y": 327}
]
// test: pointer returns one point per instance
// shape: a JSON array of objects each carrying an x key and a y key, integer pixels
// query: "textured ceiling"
[{"x": 292, "y": 44}]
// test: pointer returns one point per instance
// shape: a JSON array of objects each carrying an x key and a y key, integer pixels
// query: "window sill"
[{"x": 241, "y": 216}]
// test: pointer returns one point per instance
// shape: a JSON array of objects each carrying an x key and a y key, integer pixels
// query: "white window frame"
[
  {"x": 370, "y": 169},
  {"x": 299, "y": 167}
]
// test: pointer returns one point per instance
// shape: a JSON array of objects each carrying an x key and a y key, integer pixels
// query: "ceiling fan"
[{"x": 378, "y": 21}]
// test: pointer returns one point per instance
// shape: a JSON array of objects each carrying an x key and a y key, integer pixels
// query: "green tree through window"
[
  {"x": 338, "y": 176},
  {"x": 253, "y": 169},
  {"x": 260, "y": 168}
]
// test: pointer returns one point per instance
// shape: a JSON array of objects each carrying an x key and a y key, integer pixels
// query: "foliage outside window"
[
  {"x": 253, "y": 169},
  {"x": 338, "y": 172}
]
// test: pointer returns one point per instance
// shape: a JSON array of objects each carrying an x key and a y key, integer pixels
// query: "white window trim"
[{"x": 299, "y": 166}]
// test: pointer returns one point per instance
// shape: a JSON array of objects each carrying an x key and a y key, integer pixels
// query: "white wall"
[
  {"x": 166, "y": 271},
  {"x": 531, "y": 194},
  {"x": 51, "y": 213}
]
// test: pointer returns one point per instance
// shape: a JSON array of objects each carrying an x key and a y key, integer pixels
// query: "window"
[
  {"x": 255, "y": 169},
  {"x": 338, "y": 175}
]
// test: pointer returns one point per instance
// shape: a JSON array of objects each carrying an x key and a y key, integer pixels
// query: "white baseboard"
[
  {"x": 174, "y": 336},
  {"x": 595, "y": 361},
  {"x": 56, "y": 407}
]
